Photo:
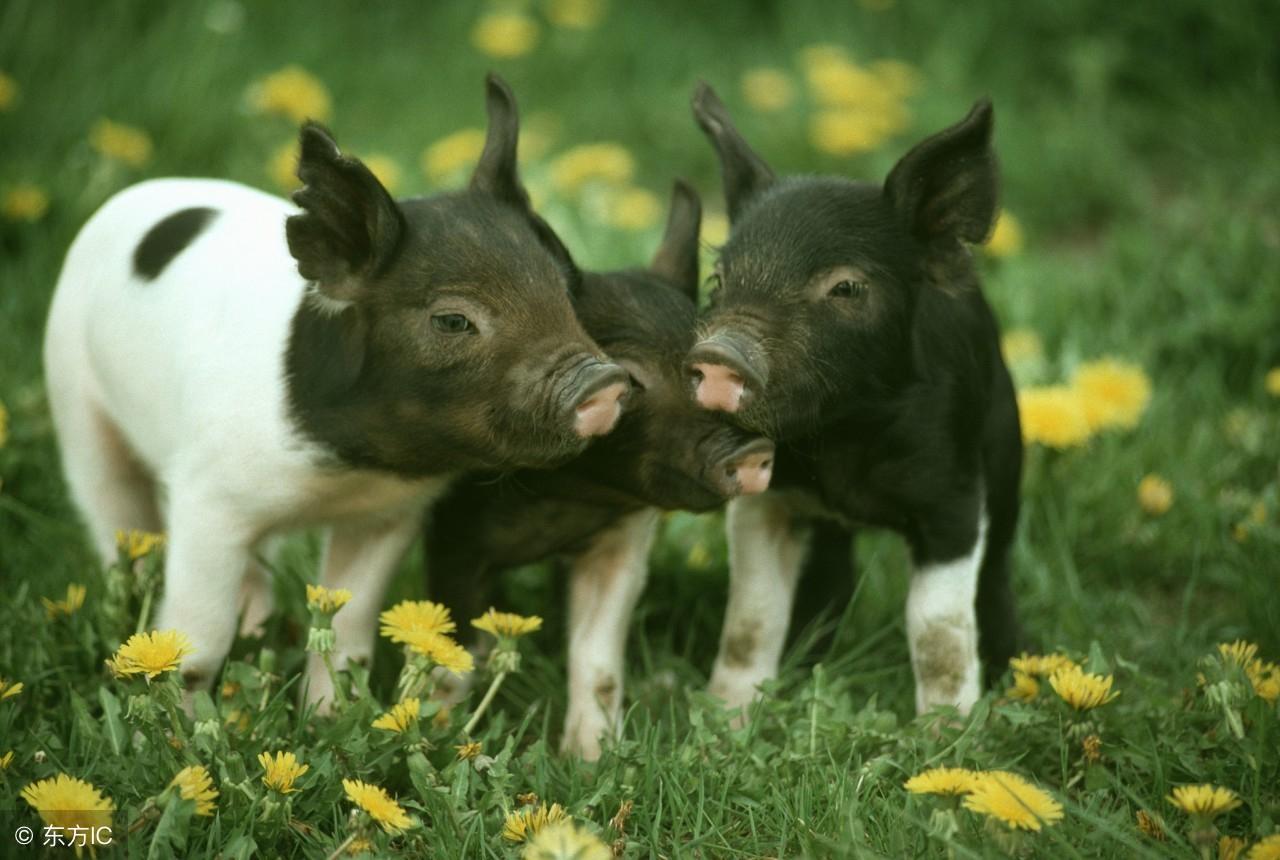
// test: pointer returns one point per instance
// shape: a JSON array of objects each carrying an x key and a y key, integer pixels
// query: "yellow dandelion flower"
[
  {"x": 1025, "y": 687},
  {"x": 452, "y": 153},
  {"x": 282, "y": 771},
  {"x": 194, "y": 783},
  {"x": 410, "y": 618},
  {"x": 941, "y": 780},
  {"x": 767, "y": 89},
  {"x": 565, "y": 841},
  {"x": 121, "y": 142},
  {"x": 1113, "y": 393},
  {"x": 1054, "y": 416},
  {"x": 136, "y": 543},
  {"x": 1238, "y": 653},
  {"x": 282, "y": 167},
  {"x": 385, "y": 169},
  {"x": 715, "y": 229},
  {"x": 1006, "y": 238},
  {"x": 1021, "y": 345},
  {"x": 73, "y": 601},
  {"x": 1042, "y": 665},
  {"x": 1204, "y": 801},
  {"x": 835, "y": 80},
  {"x": 327, "y": 600},
  {"x": 897, "y": 78},
  {"x": 9, "y": 689},
  {"x": 505, "y": 35},
  {"x": 400, "y": 718},
  {"x": 1012, "y": 800},
  {"x": 25, "y": 202},
  {"x": 844, "y": 132},
  {"x": 359, "y": 846},
  {"x": 150, "y": 654},
  {"x": 6, "y": 760},
  {"x": 633, "y": 209},
  {"x": 1155, "y": 495},
  {"x": 1230, "y": 847},
  {"x": 468, "y": 751},
  {"x": 66, "y": 802},
  {"x": 443, "y": 651},
  {"x": 1265, "y": 678},
  {"x": 1272, "y": 382},
  {"x": 605, "y": 162},
  {"x": 525, "y": 823},
  {"x": 576, "y": 14},
  {"x": 1091, "y": 746},
  {"x": 9, "y": 92},
  {"x": 1267, "y": 849},
  {"x": 291, "y": 92},
  {"x": 1081, "y": 690},
  {"x": 380, "y": 806},
  {"x": 1149, "y": 825},
  {"x": 506, "y": 624}
]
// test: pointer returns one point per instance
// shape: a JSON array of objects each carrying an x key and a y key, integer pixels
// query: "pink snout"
[
  {"x": 753, "y": 473},
  {"x": 718, "y": 387},
  {"x": 598, "y": 414}
]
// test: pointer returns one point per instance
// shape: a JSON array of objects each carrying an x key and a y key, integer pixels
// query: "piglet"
[
  {"x": 227, "y": 366},
  {"x": 847, "y": 323},
  {"x": 599, "y": 512}
]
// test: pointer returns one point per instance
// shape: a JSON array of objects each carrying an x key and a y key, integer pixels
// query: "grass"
[{"x": 1138, "y": 153}]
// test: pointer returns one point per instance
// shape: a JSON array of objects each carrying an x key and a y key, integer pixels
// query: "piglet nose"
[
  {"x": 722, "y": 376},
  {"x": 751, "y": 467},
  {"x": 598, "y": 414},
  {"x": 717, "y": 387}
]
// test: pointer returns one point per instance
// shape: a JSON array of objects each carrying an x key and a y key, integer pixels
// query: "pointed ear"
[
  {"x": 496, "y": 173},
  {"x": 677, "y": 257},
  {"x": 349, "y": 227},
  {"x": 946, "y": 187},
  {"x": 745, "y": 173}
]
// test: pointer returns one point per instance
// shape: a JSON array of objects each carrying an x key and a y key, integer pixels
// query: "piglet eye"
[
  {"x": 451, "y": 323},
  {"x": 849, "y": 289}
]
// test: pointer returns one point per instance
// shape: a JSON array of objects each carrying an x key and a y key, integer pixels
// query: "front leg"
[
  {"x": 767, "y": 546},
  {"x": 360, "y": 556},
  {"x": 606, "y": 581}
]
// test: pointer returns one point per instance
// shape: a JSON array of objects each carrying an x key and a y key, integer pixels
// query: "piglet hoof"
[
  {"x": 583, "y": 736},
  {"x": 738, "y": 692}
]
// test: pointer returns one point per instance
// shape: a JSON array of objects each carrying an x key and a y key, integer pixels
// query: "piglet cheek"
[{"x": 718, "y": 387}]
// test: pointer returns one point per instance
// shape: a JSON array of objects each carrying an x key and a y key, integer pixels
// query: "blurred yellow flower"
[
  {"x": 468, "y": 751},
  {"x": 1053, "y": 415},
  {"x": 1113, "y": 393},
  {"x": 121, "y": 142},
  {"x": 767, "y": 89},
  {"x": 291, "y": 92},
  {"x": 1204, "y": 801},
  {"x": 633, "y": 209},
  {"x": 452, "y": 153},
  {"x": 6, "y": 760},
  {"x": 1238, "y": 653},
  {"x": 839, "y": 131},
  {"x": 505, "y": 35},
  {"x": 1149, "y": 825},
  {"x": 1043, "y": 665},
  {"x": 506, "y": 624},
  {"x": 834, "y": 79},
  {"x": 942, "y": 780},
  {"x": 25, "y": 202},
  {"x": 73, "y": 601},
  {"x": 565, "y": 841},
  {"x": 194, "y": 783},
  {"x": 1012, "y": 800},
  {"x": 715, "y": 229},
  {"x": 1081, "y": 690},
  {"x": 380, "y": 806},
  {"x": 442, "y": 650},
  {"x": 1025, "y": 687},
  {"x": 524, "y": 823},
  {"x": 593, "y": 162},
  {"x": 9, "y": 92},
  {"x": 1155, "y": 495},
  {"x": 136, "y": 543},
  {"x": 282, "y": 771},
  {"x": 1265, "y": 678},
  {"x": 1272, "y": 382},
  {"x": 576, "y": 14},
  {"x": 1230, "y": 847},
  {"x": 386, "y": 170},
  {"x": 537, "y": 133},
  {"x": 9, "y": 689},
  {"x": 899, "y": 79},
  {"x": 402, "y": 717},
  {"x": 67, "y": 802},
  {"x": 699, "y": 556},
  {"x": 150, "y": 654},
  {"x": 1021, "y": 344},
  {"x": 283, "y": 167},
  {"x": 326, "y": 600},
  {"x": 410, "y": 618},
  {"x": 1006, "y": 237},
  {"x": 1267, "y": 849}
]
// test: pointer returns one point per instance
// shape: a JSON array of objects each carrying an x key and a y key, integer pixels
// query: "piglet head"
[{"x": 438, "y": 333}]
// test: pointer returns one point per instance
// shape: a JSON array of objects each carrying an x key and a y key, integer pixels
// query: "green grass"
[{"x": 1138, "y": 152}]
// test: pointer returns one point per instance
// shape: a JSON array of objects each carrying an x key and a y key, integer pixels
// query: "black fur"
[{"x": 168, "y": 238}]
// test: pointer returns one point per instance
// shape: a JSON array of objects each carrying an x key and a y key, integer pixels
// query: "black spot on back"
[{"x": 167, "y": 238}]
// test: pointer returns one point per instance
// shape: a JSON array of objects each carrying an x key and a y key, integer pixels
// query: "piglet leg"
[{"x": 606, "y": 581}]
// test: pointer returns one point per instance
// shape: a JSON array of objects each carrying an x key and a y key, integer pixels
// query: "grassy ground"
[{"x": 1138, "y": 149}]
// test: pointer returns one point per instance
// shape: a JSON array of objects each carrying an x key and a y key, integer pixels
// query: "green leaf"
[
  {"x": 170, "y": 837},
  {"x": 111, "y": 719}
]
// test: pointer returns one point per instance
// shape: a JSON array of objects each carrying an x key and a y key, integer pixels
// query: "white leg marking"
[
  {"x": 942, "y": 628},
  {"x": 765, "y": 556},
  {"x": 607, "y": 580}
]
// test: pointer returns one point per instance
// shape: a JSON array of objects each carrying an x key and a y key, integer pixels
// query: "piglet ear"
[
  {"x": 677, "y": 257},
  {"x": 349, "y": 227},
  {"x": 946, "y": 187},
  {"x": 745, "y": 173},
  {"x": 496, "y": 173}
]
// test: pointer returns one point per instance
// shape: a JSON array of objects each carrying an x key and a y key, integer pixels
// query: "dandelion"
[
  {"x": 380, "y": 806},
  {"x": 400, "y": 718},
  {"x": 1149, "y": 825},
  {"x": 282, "y": 167},
  {"x": 385, "y": 170},
  {"x": 150, "y": 654},
  {"x": 121, "y": 142},
  {"x": 843, "y": 132},
  {"x": 1091, "y": 746},
  {"x": 194, "y": 783},
  {"x": 282, "y": 771},
  {"x": 452, "y": 153},
  {"x": 566, "y": 841},
  {"x": 73, "y": 601},
  {"x": 1271, "y": 382},
  {"x": 443, "y": 651},
  {"x": 1267, "y": 849},
  {"x": 898, "y": 79},
  {"x": 6, "y": 760},
  {"x": 1113, "y": 393},
  {"x": 9, "y": 689},
  {"x": 1054, "y": 416},
  {"x": 1204, "y": 801},
  {"x": 633, "y": 209},
  {"x": 1238, "y": 653},
  {"x": 1155, "y": 495},
  {"x": 325, "y": 600},
  {"x": 1265, "y": 678},
  {"x": 505, "y": 35},
  {"x": 25, "y": 202},
  {"x": 942, "y": 780},
  {"x": 525, "y": 823},
  {"x": 1021, "y": 345},
  {"x": 835, "y": 80},
  {"x": 1012, "y": 800},
  {"x": 1006, "y": 238},
  {"x": 67, "y": 802},
  {"x": 767, "y": 89},
  {"x": 136, "y": 543},
  {"x": 1230, "y": 847},
  {"x": 291, "y": 92},
  {"x": 1025, "y": 687},
  {"x": 605, "y": 162},
  {"x": 1081, "y": 690},
  {"x": 9, "y": 92},
  {"x": 414, "y": 618},
  {"x": 576, "y": 14},
  {"x": 1042, "y": 665},
  {"x": 359, "y": 846},
  {"x": 468, "y": 751},
  {"x": 715, "y": 229},
  {"x": 506, "y": 624}
]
